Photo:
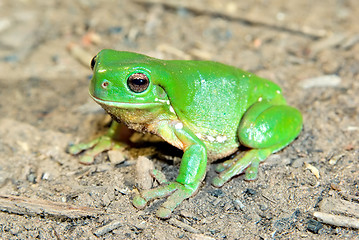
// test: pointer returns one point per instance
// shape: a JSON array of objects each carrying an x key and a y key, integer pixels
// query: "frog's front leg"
[
  {"x": 103, "y": 143},
  {"x": 191, "y": 173},
  {"x": 265, "y": 128}
]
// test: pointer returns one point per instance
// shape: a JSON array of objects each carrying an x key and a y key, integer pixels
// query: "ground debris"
[
  {"x": 183, "y": 225},
  {"x": 313, "y": 169},
  {"x": 314, "y": 226},
  {"x": 328, "y": 42},
  {"x": 244, "y": 18},
  {"x": 339, "y": 206},
  {"x": 201, "y": 237},
  {"x": 321, "y": 81},
  {"x": 330, "y": 207},
  {"x": 34, "y": 207},
  {"x": 249, "y": 213},
  {"x": 116, "y": 157},
  {"x": 335, "y": 220},
  {"x": 108, "y": 228},
  {"x": 143, "y": 168},
  {"x": 350, "y": 42},
  {"x": 43, "y": 108},
  {"x": 334, "y": 159}
]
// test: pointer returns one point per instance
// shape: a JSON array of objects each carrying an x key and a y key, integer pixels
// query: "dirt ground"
[{"x": 310, "y": 48}]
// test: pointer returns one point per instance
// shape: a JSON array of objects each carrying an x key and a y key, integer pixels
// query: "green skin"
[{"x": 205, "y": 108}]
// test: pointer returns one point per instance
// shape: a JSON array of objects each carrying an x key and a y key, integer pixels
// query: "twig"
[
  {"x": 107, "y": 228},
  {"x": 339, "y": 221},
  {"x": 34, "y": 207},
  {"x": 338, "y": 206},
  {"x": 241, "y": 17},
  {"x": 267, "y": 198}
]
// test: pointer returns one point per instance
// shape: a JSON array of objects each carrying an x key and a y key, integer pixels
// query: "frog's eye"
[
  {"x": 138, "y": 82},
  {"x": 93, "y": 62}
]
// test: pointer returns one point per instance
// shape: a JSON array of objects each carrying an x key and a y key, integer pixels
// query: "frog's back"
[{"x": 211, "y": 98}]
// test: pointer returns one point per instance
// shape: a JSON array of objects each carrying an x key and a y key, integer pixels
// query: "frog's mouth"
[{"x": 126, "y": 104}]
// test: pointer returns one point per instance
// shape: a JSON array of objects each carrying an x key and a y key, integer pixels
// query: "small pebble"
[
  {"x": 140, "y": 226},
  {"x": 239, "y": 205},
  {"x": 31, "y": 177},
  {"x": 45, "y": 176},
  {"x": 314, "y": 226},
  {"x": 116, "y": 157},
  {"x": 11, "y": 58},
  {"x": 217, "y": 193},
  {"x": 333, "y": 160},
  {"x": 263, "y": 207},
  {"x": 321, "y": 81},
  {"x": 187, "y": 214},
  {"x": 115, "y": 30},
  {"x": 313, "y": 169},
  {"x": 5, "y": 24},
  {"x": 250, "y": 191},
  {"x": 104, "y": 167},
  {"x": 201, "y": 237}
]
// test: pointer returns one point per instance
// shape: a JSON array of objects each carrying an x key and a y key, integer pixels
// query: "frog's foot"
[
  {"x": 177, "y": 193},
  {"x": 248, "y": 164},
  {"x": 265, "y": 128},
  {"x": 93, "y": 148}
]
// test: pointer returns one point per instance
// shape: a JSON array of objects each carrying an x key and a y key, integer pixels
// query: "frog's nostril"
[{"x": 105, "y": 84}]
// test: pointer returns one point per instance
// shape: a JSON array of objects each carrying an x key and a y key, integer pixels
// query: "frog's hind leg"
[{"x": 265, "y": 128}]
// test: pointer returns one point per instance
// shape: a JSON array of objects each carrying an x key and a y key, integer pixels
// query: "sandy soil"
[{"x": 46, "y": 193}]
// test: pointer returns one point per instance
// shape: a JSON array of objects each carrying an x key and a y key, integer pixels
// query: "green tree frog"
[{"x": 207, "y": 109}]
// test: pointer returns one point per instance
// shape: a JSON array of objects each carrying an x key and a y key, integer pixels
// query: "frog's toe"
[
  {"x": 218, "y": 182},
  {"x": 225, "y": 165},
  {"x": 103, "y": 144},
  {"x": 252, "y": 172},
  {"x": 175, "y": 191},
  {"x": 163, "y": 213},
  {"x": 173, "y": 201},
  {"x": 221, "y": 167},
  {"x": 75, "y": 149},
  {"x": 248, "y": 164},
  {"x": 87, "y": 159},
  {"x": 72, "y": 149},
  {"x": 94, "y": 147},
  {"x": 139, "y": 202}
]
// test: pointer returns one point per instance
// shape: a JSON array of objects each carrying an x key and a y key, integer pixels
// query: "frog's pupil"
[{"x": 138, "y": 82}]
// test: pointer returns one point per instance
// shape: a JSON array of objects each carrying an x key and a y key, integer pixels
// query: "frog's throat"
[{"x": 126, "y": 105}]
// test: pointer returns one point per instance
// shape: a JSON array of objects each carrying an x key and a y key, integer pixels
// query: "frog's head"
[{"x": 123, "y": 83}]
